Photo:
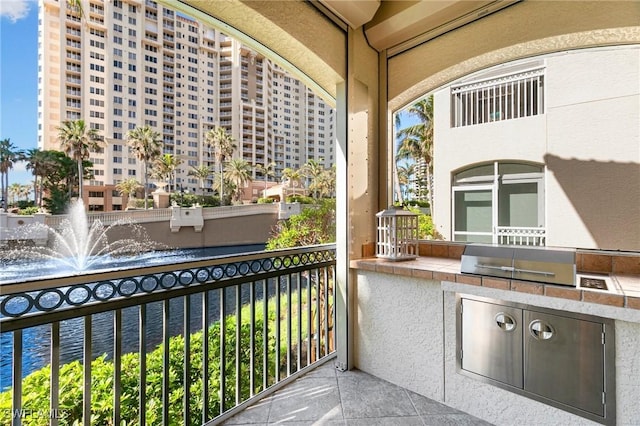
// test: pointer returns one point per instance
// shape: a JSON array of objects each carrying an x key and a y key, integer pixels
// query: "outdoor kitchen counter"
[
  {"x": 444, "y": 269},
  {"x": 406, "y": 329}
]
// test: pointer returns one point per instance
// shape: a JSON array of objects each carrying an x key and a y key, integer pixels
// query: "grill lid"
[{"x": 540, "y": 264}]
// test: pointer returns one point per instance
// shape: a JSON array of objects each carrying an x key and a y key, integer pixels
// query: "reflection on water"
[
  {"x": 12, "y": 270},
  {"x": 37, "y": 340}
]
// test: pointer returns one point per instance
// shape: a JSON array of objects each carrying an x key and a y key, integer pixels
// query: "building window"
[
  {"x": 504, "y": 98},
  {"x": 490, "y": 200}
]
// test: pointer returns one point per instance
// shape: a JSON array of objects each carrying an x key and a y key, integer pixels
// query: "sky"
[{"x": 19, "y": 78}]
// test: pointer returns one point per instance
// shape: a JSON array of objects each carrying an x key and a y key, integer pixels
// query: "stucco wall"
[
  {"x": 216, "y": 232},
  {"x": 406, "y": 333},
  {"x": 398, "y": 332},
  {"x": 588, "y": 138},
  {"x": 522, "y": 30},
  {"x": 593, "y": 154}
]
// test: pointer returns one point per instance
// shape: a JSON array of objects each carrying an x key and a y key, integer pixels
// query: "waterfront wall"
[{"x": 175, "y": 227}]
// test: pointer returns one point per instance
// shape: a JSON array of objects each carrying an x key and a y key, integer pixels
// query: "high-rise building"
[{"x": 123, "y": 64}]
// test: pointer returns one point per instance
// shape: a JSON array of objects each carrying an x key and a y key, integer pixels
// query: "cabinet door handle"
[
  {"x": 505, "y": 321},
  {"x": 541, "y": 330}
]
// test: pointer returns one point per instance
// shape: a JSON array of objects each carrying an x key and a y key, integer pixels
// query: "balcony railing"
[
  {"x": 522, "y": 236},
  {"x": 126, "y": 346}
]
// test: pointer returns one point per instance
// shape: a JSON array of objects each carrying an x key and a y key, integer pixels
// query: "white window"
[
  {"x": 504, "y": 98},
  {"x": 500, "y": 203}
]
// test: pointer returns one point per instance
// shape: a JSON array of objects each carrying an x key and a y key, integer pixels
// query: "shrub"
[
  {"x": 23, "y": 204},
  {"x": 36, "y": 386},
  {"x": 300, "y": 199},
  {"x": 426, "y": 229},
  {"x": 311, "y": 226},
  {"x": 28, "y": 211},
  {"x": 188, "y": 200},
  {"x": 266, "y": 200},
  {"x": 418, "y": 203}
]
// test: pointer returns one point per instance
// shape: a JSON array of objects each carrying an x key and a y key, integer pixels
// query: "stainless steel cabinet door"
[
  {"x": 564, "y": 360},
  {"x": 492, "y": 341}
]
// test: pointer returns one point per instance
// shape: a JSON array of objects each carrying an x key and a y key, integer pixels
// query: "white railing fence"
[{"x": 521, "y": 236}]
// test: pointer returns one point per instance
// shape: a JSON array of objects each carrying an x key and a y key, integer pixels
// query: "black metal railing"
[{"x": 183, "y": 343}]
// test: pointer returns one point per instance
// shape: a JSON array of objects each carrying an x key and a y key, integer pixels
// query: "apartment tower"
[{"x": 123, "y": 64}]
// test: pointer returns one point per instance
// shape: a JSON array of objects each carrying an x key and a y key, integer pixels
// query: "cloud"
[{"x": 14, "y": 9}]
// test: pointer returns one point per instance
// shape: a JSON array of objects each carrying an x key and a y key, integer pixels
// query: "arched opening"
[{"x": 557, "y": 110}]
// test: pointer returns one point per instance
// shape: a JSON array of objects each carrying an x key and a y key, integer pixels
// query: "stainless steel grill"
[{"x": 540, "y": 264}]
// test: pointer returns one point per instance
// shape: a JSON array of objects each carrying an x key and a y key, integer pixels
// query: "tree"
[
  {"x": 406, "y": 174},
  {"x": 239, "y": 174},
  {"x": 146, "y": 145},
  {"x": 164, "y": 168},
  {"x": 77, "y": 140},
  {"x": 293, "y": 176},
  {"x": 223, "y": 146},
  {"x": 129, "y": 187},
  {"x": 18, "y": 191},
  {"x": 9, "y": 154},
  {"x": 75, "y": 6},
  {"x": 312, "y": 170},
  {"x": 39, "y": 162},
  {"x": 266, "y": 171},
  {"x": 59, "y": 173},
  {"x": 325, "y": 184},
  {"x": 416, "y": 141},
  {"x": 312, "y": 226},
  {"x": 202, "y": 173}
]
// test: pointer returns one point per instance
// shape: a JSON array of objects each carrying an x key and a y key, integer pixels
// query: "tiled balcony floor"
[{"x": 325, "y": 396}]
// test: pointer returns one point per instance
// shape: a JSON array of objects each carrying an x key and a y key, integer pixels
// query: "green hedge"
[
  {"x": 302, "y": 199},
  {"x": 36, "y": 386},
  {"x": 314, "y": 225},
  {"x": 188, "y": 200}
]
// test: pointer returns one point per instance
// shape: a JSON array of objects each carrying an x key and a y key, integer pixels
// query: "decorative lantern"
[{"x": 397, "y": 234}]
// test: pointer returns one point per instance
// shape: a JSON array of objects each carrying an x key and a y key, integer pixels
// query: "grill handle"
[
  {"x": 527, "y": 271},
  {"x": 499, "y": 268},
  {"x": 512, "y": 269}
]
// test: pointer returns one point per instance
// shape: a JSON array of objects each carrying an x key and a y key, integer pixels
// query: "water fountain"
[{"x": 77, "y": 245}]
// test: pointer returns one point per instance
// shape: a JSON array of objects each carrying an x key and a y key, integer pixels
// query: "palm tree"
[
  {"x": 223, "y": 146},
  {"x": 164, "y": 168},
  {"x": 416, "y": 141},
  {"x": 292, "y": 175},
  {"x": 17, "y": 191},
  {"x": 77, "y": 140},
  {"x": 76, "y": 8},
  {"x": 38, "y": 162},
  {"x": 9, "y": 154},
  {"x": 128, "y": 188},
  {"x": 201, "y": 172},
  {"x": 238, "y": 172},
  {"x": 312, "y": 170},
  {"x": 405, "y": 177},
  {"x": 146, "y": 145},
  {"x": 266, "y": 171},
  {"x": 325, "y": 184}
]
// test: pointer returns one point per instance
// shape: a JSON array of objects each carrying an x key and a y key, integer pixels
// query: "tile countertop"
[{"x": 448, "y": 269}]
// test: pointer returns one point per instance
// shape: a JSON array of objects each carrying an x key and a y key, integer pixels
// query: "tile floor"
[{"x": 325, "y": 396}]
